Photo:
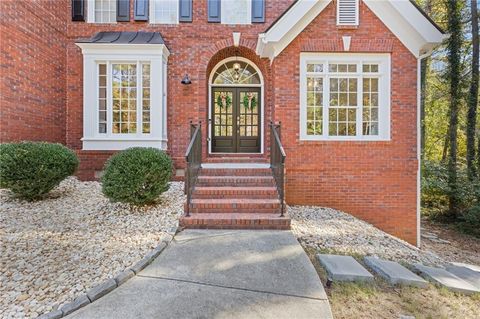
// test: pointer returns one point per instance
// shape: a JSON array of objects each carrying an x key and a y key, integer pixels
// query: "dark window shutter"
[
  {"x": 213, "y": 10},
  {"x": 78, "y": 10},
  {"x": 141, "y": 10},
  {"x": 258, "y": 11},
  {"x": 123, "y": 10},
  {"x": 185, "y": 11}
]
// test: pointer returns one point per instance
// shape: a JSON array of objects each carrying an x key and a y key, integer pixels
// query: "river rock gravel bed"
[
  {"x": 330, "y": 230},
  {"x": 55, "y": 249}
]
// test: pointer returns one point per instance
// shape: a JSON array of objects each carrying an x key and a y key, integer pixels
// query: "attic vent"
[{"x": 347, "y": 12}]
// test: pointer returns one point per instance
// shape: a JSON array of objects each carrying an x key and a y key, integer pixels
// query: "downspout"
[{"x": 419, "y": 150}]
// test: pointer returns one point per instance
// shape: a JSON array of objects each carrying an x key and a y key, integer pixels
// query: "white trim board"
[{"x": 405, "y": 21}]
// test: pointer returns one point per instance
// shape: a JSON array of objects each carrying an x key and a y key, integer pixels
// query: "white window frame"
[
  {"x": 91, "y": 13},
  {"x": 357, "y": 14},
  {"x": 384, "y": 88},
  {"x": 151, "y": 13},
  {"x": 95, "y": 53},
  {"x": 224, "y": 8}
]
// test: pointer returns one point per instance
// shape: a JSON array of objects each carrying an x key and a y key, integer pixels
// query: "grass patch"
[{"x": 380, "y": 299}]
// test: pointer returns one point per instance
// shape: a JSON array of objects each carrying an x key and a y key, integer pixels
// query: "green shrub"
[
  {"x": 435, "y": 190},
  {"x": 137, "y": 175},
  {"x": 471, "y": 224},
  {"x": 32, "y": 169}
]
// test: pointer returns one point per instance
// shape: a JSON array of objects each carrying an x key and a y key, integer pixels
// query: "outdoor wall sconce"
[{"x": 186, "y": 80}]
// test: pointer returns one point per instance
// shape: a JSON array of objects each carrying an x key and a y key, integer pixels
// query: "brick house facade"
[{"x": 373, "y": 179}]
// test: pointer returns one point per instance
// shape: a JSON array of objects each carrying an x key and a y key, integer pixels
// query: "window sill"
[
  {"x": 117, "y": 144},
  {"x": 344, "y": 139}
]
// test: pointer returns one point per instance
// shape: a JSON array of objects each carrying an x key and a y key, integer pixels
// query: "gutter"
[{"x": 419, "y": 132}]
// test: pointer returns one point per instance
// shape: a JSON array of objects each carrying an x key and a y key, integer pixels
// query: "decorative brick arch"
[{"x": 225, "y": 49}]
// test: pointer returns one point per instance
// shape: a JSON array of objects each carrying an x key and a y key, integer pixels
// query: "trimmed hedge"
[
  {"x": 137, "y": 175},
  {"x": 32, "y": 169}
]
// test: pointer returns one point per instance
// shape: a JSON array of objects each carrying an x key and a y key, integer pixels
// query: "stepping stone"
[
  {"x": 466, "y": 274},
  {"x": 394, "y": 272},
  {"x": 344, "y": 268},
  {"x": 471, "y": 267},
  {"x": 447, "y": 279}
]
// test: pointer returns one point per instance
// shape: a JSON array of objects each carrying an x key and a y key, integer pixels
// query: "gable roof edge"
[
  {"x": 288, "y": 26},
  {"x": 408, "y": 22}
]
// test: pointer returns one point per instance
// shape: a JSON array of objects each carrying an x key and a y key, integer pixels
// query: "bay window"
[
  {"x": 344, "y": 96},
  {"x": 124, "y": 96}
]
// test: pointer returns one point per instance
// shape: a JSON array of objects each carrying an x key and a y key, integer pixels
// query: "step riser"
[
  {"x": 197, "y": 195},
  {"x": 236, "y": 172},
  {"x": 236, "y": 160},
  {"x": 235, "y": 182},
  {"x": 198, "y": 223},
  {"x": 275, "y": 211}
]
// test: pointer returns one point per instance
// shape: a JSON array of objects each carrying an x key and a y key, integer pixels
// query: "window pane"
[
  {"x": 370, "y": 106},
  {"x": 146, "y": 98},
  {"x": 124, "y": 94},
  {"x": 314, "y": 105},
  {"x": 102, "y": 98},
  {"x": 343, "y": 105},
  {"x": 166, "y": 11},
  {"x": 105, "y": 11},
  {"x": 236, "y": 12},
  {"x": 315, "y": 67},
  {"x": 236, "y": 72}
]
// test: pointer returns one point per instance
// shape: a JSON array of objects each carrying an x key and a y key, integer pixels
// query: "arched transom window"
[{"x": 236, "y": 72}]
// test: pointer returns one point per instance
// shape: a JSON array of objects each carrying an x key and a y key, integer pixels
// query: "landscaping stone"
[
  {"x": 467, "y": 274},
  {"x": 122, "y": 277},
  {"x": 158, "y": 249},
  {"x": 76, "y": 304},
  {"x": 447, "y": 279},
  {"x": 101, "y": 290},
  {"x": 332, "y": 231},
  {"x": 144, "y": 262},
  {"x": 344, "y": 268},
  {"x": 394, "y": 272},
  {"x": 101, "y": 239},
  {"x": 56, "y": 314}
]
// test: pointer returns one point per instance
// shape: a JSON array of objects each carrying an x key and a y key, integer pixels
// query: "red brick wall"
[
  {"x": 195, "y": 48},
  {"x": 32, "y": 58},
  {"x": 375, "y": 181}
]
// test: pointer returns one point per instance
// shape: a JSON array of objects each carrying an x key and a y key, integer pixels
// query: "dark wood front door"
[{"x": 236, "y": 120}]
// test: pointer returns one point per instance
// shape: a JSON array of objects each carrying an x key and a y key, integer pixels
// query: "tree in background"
[
  {"x": 473, "y": 97},
  {"x": 454, "y": 72}
]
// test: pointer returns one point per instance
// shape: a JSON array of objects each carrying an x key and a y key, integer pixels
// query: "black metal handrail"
[
  {"x": 277, "y": 162},
  {"x": 193, "y": 157}
]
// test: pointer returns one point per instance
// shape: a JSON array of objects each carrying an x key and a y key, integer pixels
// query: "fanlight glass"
[{"x": 236, "y": 72}]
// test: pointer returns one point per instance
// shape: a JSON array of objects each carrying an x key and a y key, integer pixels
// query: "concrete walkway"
[{"x": 220, "y": 274}]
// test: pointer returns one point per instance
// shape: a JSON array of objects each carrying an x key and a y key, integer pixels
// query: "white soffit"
[
  {"x": 408, "y": 24},
  {"x": 278, "y": 37}
]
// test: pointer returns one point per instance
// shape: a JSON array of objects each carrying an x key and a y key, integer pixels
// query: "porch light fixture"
[{"x": 186, "y": 80}]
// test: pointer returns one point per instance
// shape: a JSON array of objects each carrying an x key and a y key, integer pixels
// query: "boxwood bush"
[
  {"x": 32, "y": 169},
  {"x": 137, "y": 175}
]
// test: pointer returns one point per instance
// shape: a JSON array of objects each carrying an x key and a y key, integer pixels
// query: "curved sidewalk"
[{"x": 220, "y": 274}]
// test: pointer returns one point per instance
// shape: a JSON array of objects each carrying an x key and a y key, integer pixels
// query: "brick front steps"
[{"x": 235, "y": 195}]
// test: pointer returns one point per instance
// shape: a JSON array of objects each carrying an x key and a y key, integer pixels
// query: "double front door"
[{"x": 236, "y": 120}]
